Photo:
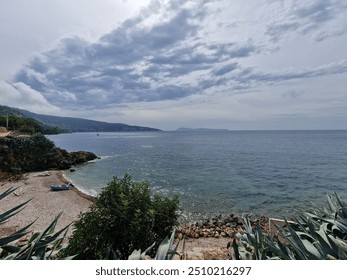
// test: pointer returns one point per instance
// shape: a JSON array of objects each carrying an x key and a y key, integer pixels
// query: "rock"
[
  {"x": 37, "y": 153},
  {"x": 81, "y": 157}
]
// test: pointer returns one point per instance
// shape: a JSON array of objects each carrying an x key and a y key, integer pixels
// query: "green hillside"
[
  {"x": 57, "y": 124},
  {"x": 13, "y": 119}
]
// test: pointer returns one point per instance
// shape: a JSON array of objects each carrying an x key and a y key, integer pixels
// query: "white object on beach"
[
  {"x": 18, "y": 192},
  {"x": 44, "y": 174}
]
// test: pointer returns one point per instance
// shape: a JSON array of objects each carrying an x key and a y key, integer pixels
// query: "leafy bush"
[
  {"x": 316, "y": 234},
  {"x": 125, "y": 216}
]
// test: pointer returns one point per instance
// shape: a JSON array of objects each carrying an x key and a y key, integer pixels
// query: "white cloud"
[{"x": 21, "y": 96}]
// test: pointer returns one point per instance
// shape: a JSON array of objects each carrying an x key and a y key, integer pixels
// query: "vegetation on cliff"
[
  {"x": 14, "y": 120},
  {"x": 36, "y": 153},
  {"x": 26, "y": 121}
]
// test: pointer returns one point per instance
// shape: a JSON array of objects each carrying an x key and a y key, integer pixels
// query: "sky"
[{"x": 232, "y": 64}]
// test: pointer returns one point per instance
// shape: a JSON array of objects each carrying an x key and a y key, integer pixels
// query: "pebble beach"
[{"x": 44, "y": 204}]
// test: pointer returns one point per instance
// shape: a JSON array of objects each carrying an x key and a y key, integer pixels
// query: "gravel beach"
[{"x": 45, "y": 204}]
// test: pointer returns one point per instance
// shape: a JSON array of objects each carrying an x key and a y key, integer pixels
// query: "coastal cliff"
[{"x": 37, "y": 153}]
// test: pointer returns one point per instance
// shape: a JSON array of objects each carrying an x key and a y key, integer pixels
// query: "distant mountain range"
[{"x": 69, "y": 124}]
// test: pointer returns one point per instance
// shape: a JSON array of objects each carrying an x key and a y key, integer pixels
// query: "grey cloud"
[
  {"x": 225, "y": 69},
  {"x": 109, "y": 65},
  {"x": 277, "y": 30},
  {"x": 245, "y": 78},
  {"x": 321, "y": 36},
  {"x": 317, "y": 11},
  {"x": 134, "y": 62},
  {"x": 254, "y": 76},
  {"x": 307, "y": 16}
]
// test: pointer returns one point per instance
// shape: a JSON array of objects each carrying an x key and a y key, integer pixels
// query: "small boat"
[{"x": 63, "y": 187}]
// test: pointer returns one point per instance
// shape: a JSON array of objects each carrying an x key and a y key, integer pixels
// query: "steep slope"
[
  {"x": 84, "y": 125},
  {"x": 73, "y": 124}
]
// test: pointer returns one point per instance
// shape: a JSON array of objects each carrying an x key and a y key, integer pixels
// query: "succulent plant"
[
  {"x": 316, "y": 234},
  {"x": 165, "y": 251},
  {"x": 41, "y": 245}
]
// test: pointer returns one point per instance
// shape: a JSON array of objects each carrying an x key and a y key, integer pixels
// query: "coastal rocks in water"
[
  {"x": 81, "y": 157},
  {"x": 37, "y": 153}
]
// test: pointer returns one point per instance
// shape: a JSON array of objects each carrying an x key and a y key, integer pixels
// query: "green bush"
[{"x": 125, "y": 217}]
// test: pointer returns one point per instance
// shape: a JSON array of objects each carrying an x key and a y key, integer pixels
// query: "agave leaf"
[
  {"x": 342, "y": 206},
  {"x": 11, "y": 238},
  {"x": 143, "y": 255},
  {"x": 8, "y": 214},
  {"x": 312, "y": 249},
  {"x": 334, "y": 245},
  {"x": 38, "y": 239},
  {"x": 340, "y": 243},
  {"x": 18, "y": 255},
  {"x": 135, "y": 255},
  {"x": 311, "y": 228},
  {"x": 323, "y": 240},
  {"x": 7, "y": 192},
  {"x": 183, "y": 255},
  {"x": 11, "y": 249},
  {"x": 165, "y": 246},
  {"x": 247, "y": 225},
  {"x": 332, "y": 204},
  {"x": 280, "y": 251},
  {"x": 294, "y": 240},
  {"x": 34, "y": 236},
  {"x": 342, "y": 225},
  {"x": 52, "y": 239},
  {"x": 236, "y": 250},
  {"x": 258, "y": 246}
]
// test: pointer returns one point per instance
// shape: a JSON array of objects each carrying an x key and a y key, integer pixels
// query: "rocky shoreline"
[
  {"x": 37, "y": 153},
  {"x": 218, "y": 227}
]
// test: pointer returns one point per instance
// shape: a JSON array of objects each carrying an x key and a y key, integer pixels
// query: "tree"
[{"x": 125, "y": 217}]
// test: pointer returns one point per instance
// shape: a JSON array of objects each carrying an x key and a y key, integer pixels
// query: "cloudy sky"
[{"x": 236, "y": 64}]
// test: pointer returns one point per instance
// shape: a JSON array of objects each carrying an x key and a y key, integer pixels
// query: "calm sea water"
[{"x": 260, "y": 172}]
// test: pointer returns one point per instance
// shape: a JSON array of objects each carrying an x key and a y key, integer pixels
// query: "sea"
[{"x": 271, "y": 173}]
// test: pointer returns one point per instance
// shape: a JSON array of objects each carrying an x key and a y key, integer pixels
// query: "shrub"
[{"x": 125, "y": 216}]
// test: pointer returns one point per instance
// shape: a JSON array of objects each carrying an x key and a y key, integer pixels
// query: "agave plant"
[
  {"x": 8, "y": 214},
  {"x": 41, "y": 245},
  {"x": 166, "y": 250},
  {"x": 316, "y": 234}
]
